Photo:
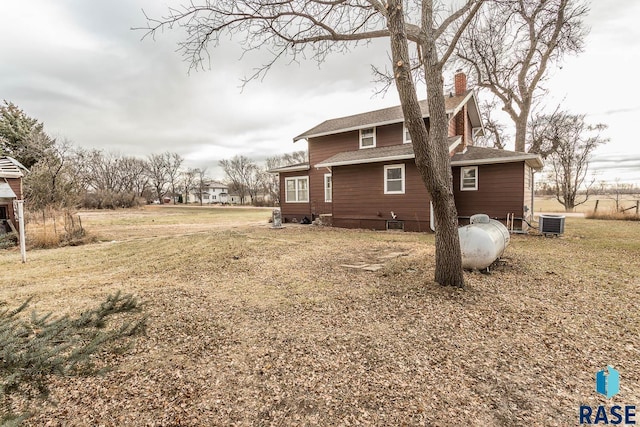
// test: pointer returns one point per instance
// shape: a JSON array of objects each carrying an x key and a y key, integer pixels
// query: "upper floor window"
[
  {"x": 297, "y": 189},
  {"x": 406, "y": 136},
  {"x": 368, "y": 138},
  {"x": 469, "y": 178},
  {"x": 327, "y": 187},
  {"x": 394, "y": 179}
]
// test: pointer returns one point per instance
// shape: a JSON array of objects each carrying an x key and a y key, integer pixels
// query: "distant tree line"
[
  {"x": 246, "y": 178},
  {"x": 63, "y": 176}
]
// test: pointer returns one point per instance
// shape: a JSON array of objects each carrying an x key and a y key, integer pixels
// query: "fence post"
[
  {"x": 596, "y": 208},
  {"x": 23, "y": 246},
  {"x": 637, "y": 206}
]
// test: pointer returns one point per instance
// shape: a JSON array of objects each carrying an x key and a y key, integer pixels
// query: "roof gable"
[{"x": 385, "y": 116}]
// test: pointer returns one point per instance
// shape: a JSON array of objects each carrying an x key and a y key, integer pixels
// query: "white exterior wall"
[{"x": 211, "y": 194}]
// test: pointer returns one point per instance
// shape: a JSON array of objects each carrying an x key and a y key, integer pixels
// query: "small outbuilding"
[{"x": 11, "y": 174}]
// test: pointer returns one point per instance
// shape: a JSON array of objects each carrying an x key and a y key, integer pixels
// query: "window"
[
  {"x": 327, "y": 187},
  {"x": 406, "y": 136},
  {"x": 394, "y": 179},
  {"x": 297, "y": 189},
  {"x": 213, "y": 197},
  {"x": 368, "y": 138},
  {"x": 469, "y": 178}
]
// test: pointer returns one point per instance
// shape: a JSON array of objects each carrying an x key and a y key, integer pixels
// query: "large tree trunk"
[
  {"x": 521, "y": 132},
  {"x": 430, "y": 147}
]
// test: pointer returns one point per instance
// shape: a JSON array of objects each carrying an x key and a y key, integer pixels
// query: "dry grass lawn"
[
  {"x": 606, "y": 204},
  {"x": 254, "y": 326}
]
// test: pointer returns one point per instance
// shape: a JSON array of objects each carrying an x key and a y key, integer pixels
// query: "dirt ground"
[{"x": 254, "y": 326}]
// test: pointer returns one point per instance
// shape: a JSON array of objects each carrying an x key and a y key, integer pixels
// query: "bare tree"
[
  {"x": 240, "y": 172},
  {"x": 52, "y": 182},
  {"x": 200, "y": 182},
  {"x": 617, "y": 191},
  {"x": 575, "y": 141},
  {"x": 511, "y": 45},
  {"x": 188, "y": 182},
  {"x": 157, "y": 173},
  {"x": 271, "y": 181},
  {"x": 495, "y": 131},
  {"x": 134, "y": 177},
  {"x": 173, "y": 162},
  {"x": 295, "y": 28}
]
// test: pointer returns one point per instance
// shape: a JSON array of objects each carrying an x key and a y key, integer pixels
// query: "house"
[
  {"x": 11, "y": 174},
  {"x": 212, "y": 192},
  {"x": 362, "y": 173}
]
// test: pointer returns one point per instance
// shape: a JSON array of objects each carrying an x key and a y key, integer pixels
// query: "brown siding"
[
  {"x": 389, "y": 135},
  {"x": 461, "y": 125},
  {"x": 499, "y": 191},
  {"x": 452, "y": 127},
  {"x": 468, "y": 140},
  {"x": 292, "y": 211},
  {"x": 320, "y": 149},
  {"x": 16, "y": 186},
  {"x": 359, "y": 199}
]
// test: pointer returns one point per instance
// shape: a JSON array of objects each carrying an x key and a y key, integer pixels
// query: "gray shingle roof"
[
  {"x": 484, "y": 155},
  {"x": 376, "y": 118},
  {"x": 472, "y": 156},
  {"x": 291, "y": 168},
  {"x": 370, "y": 155}
]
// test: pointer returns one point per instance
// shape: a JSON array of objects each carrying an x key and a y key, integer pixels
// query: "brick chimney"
[{"x": 460, "y": 82}]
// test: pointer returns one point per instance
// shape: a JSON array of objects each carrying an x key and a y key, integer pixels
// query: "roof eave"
[
  {"x": 364, "y": 161},
  {"x": 290, "y": 169},
  {"x": 11, "y": 174},
  {"x": 533, "y": 161},
  {"x": 451, "y": 111},
  {"x": 350, "y": 129}
]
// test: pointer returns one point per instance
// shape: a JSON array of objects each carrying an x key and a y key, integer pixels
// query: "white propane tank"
[{"x": 482, "y": 242}]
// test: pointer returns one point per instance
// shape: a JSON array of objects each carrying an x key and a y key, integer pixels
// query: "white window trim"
[
  {"x": 403, "y": 179},
  {"x": 374, "y": 138},
  {"x": 296, "y": 179},
  {"x": 330, "y": 199},
  {"x": 462, "y": 187},
  {"x": 404, "y": 134}
]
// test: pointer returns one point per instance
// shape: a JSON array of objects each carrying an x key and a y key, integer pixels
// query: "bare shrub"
[{"x": 53, "y": 229}]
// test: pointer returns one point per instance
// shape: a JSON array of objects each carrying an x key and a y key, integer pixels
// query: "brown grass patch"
[
  {"x": 613, "y": 215},
  {"x": 255, "y": 326}
]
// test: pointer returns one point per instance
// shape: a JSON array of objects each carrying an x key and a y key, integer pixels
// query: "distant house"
[
  {"x": 362, "y": 172},
  {"x": 11, "y": 174},
  {"x": 212, "y": 192}
]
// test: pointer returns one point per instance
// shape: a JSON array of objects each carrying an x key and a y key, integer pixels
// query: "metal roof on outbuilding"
[
  {"x": 11, "y": 168},
  {"x": 6, "y": 192}
]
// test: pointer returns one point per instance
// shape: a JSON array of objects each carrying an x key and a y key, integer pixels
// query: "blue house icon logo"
[{"x": 608, "y": 382}]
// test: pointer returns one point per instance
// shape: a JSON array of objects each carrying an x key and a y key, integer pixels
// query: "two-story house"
[
  {"x": 362, "y": 173},
  {"x": 11, "y": 174},
  {"x": 212, "y": 192}
]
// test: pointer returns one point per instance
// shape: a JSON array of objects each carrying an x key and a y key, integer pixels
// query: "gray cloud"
[{"x": 78, "y": 67}]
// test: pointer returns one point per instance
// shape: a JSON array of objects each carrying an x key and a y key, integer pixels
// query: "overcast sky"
[{"x": 77, "y": 66}]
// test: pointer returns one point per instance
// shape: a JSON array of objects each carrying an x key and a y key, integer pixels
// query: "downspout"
[{"x": 533, "y": 191}]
